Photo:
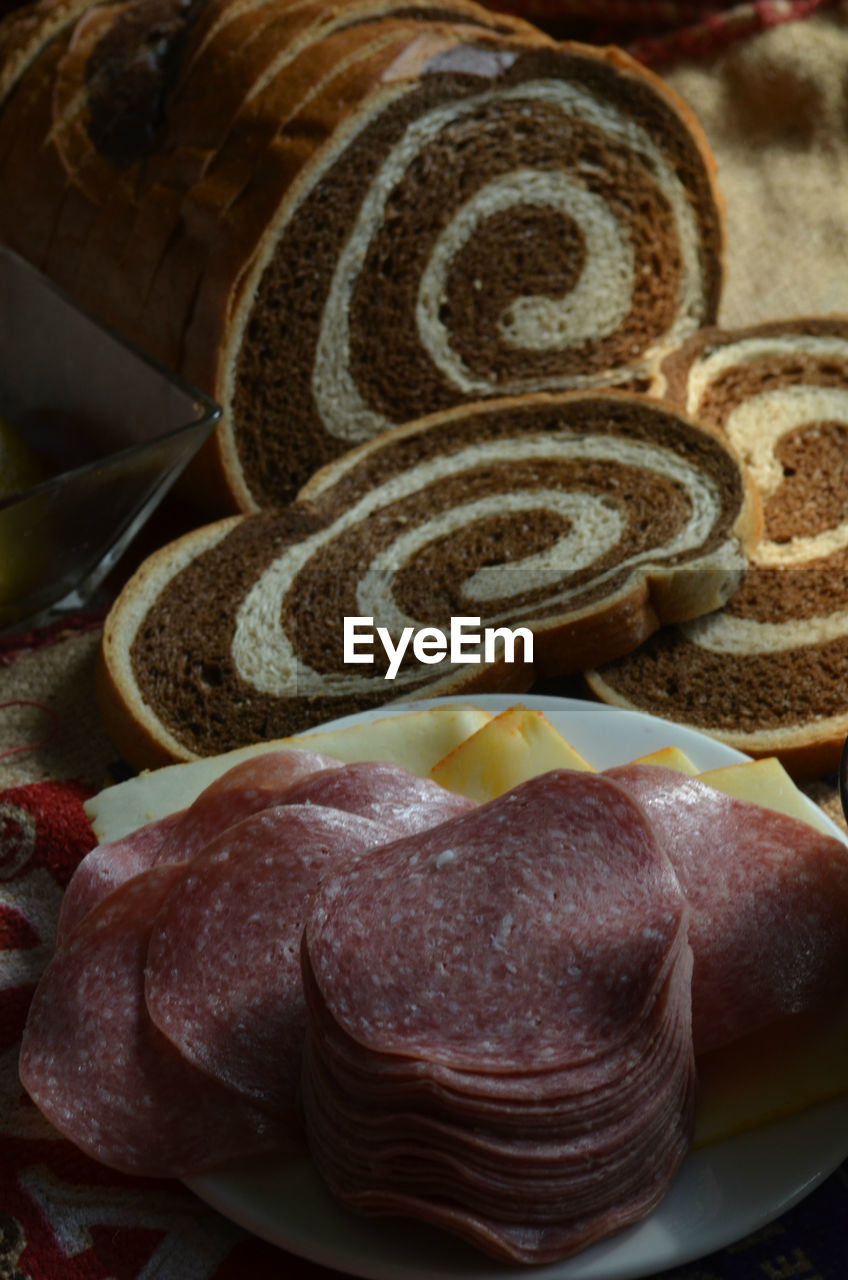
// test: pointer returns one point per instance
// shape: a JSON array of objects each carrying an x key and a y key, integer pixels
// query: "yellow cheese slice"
[
  {"x": 516, "y": 745},
  {"x": 767, "y": 783},
  {"x": 781, "y": 1069},
  {"x": 415, "y": 740},
  {"x": 669, "y": 758}
]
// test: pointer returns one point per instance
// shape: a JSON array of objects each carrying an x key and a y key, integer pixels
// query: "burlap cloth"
[{"x": 769, "y": 83}]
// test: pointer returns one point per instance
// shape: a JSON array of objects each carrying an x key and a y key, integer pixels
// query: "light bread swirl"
[
  {"x": 769, "y": 672},
  {"x": 587, "y": 518},
  {"x": 335, "y": 218}
]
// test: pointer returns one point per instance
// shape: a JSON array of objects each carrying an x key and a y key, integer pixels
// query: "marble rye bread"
[
  {"x": 340, "y": 217},
  {"x": 768, "y": 673},
  {"x": 587, "y": 517}
]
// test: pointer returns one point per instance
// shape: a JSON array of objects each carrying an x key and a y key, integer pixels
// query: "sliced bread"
[
  {"x": 585, "y": 518},
  {"x": 768, "y": 673},
  {"x": 340, "y": 217}
]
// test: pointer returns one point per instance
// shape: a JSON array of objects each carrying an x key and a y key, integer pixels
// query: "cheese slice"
[
  {"x": 669, "y": 758},
  {"x": 766, "y": 782},
  {"x": 784, "y": 1068},
  {"x": 512, "y": 747}
]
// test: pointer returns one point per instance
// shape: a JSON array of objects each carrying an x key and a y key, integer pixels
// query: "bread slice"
[
  {"x": 586, "y": 518},
  {"x": 432, "y": 282},
  {"x": 767, "y": 674},
  {"x": 340, "y": 217}
]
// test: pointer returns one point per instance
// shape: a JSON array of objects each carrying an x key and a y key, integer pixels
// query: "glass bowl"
[{"x": 110, "y": 431}]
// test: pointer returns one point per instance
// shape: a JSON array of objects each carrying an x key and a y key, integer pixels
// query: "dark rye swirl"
[
  {"x": 768, "y": 673},
  {"x": 586, "y": 517},
  {"x": 494, "y": 219},
  {"x": 340, "y": 217}
]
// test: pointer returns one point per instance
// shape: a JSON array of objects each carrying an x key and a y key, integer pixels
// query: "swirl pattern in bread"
[
  {"x": 586, "y": 518},
  {"x": 769, "y": 672},
  {"x": 338, "y": 218}
]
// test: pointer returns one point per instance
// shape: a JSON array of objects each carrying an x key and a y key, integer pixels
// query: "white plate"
[{"x": 720, "y": 1194}]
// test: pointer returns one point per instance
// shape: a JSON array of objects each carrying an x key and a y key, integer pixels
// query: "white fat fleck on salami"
[
  {"x": 223, "y": 966},
  {"x": 768, "y": 897},
  {"x": 99, "y": 1070},
  {"x": 459, "y": 988}
]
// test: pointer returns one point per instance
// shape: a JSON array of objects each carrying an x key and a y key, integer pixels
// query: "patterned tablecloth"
[{"x": 63, "y": 1217}]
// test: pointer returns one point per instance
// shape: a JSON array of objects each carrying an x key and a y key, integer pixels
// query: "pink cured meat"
[
  {"x": 108, "y": 865},
  {"x": 464, "y": 1128},
  {"x": 499, "y": 1033},
  {"x": 769, "y": 901},
  {"x": 542, "y": 1200},
  {"x": 223, "y": 968},
  {"x": 99, "y": 1070},
  {"x": 522, "y": 935},
  {"x": 527, "y": 1103},
  {"x": 385, "y": 792},
  {"x": 254, "y": 784}
]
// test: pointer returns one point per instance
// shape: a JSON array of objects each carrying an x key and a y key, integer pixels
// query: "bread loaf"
[
  {"x": 586, "y": 518},
  {"x": 339, "y": 217},
  {"x": 769, "y": 672}
]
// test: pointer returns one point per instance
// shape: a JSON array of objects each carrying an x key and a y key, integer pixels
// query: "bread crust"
[
  {"x": 806, "y": 752},
  {"x": 138, "y": 733},
  {"x": 27, "y": 30}
]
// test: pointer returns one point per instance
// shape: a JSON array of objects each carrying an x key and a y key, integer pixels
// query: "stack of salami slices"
[{"x": 499, "y": 1022}]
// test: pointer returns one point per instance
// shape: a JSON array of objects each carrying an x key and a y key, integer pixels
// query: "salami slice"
[
  {"x": 254, "y": 784},
  {"x": 106, "y": 866},
  {"x": 583, "y": 1129},
  {"x": 768, "y": 897},
  {"x": 101, "y": 1072},
  {"x": 387, "y": 793},
  {"x": 518, "y": 1182},
  {"x": 499, "y": 1022},
  {"x": 248, "y": 787},
  {"x": 223, "y": 966},
  {"x": 518, "y": 1103},
  {"x": 524, "y": 934}
]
